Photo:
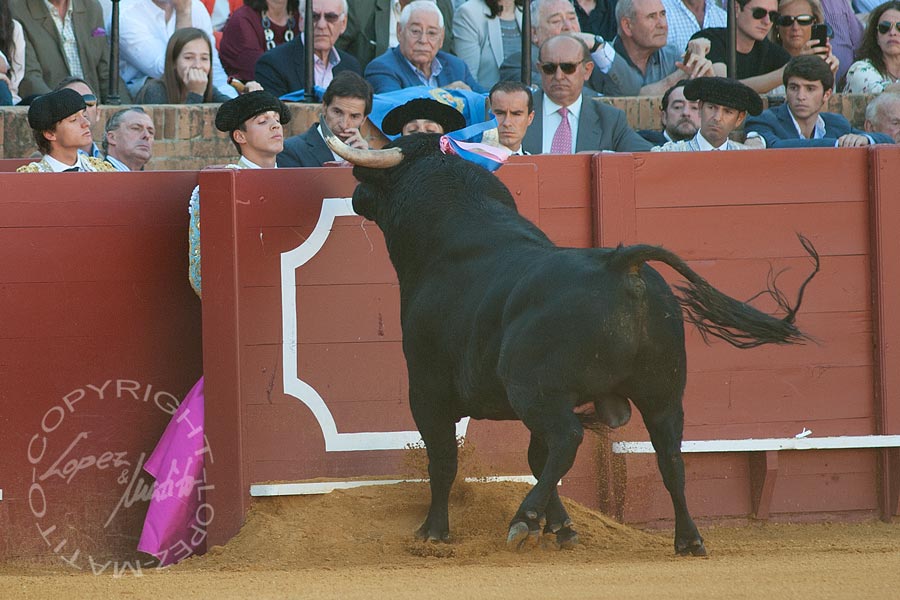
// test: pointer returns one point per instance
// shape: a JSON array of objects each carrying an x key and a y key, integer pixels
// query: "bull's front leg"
[
  {"x": 439, "y": 434},
  {"x": 561, "y": 433}
]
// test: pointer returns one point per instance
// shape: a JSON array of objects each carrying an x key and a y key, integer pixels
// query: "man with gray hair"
[
  {"x": 417, "y": 59},
  {"x": 128, "y": 139},
  {"x": 883, "y": 115}
]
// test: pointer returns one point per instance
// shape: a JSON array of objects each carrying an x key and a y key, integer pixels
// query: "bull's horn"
[{"x": 376, "y": 159}]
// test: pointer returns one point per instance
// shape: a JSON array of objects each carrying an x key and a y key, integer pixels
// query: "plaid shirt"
[
  {"x": 67, "y": 35},
  {"x": 683, "y": 24}
]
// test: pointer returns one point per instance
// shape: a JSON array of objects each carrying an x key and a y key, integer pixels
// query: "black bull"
[{"x": 499, "y": 323}]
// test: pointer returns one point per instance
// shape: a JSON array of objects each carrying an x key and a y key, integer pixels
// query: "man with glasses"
[
  {"x": 60, "y": 130},
  {"x": 346, "y": 105},
  {"x": 372, "y": 27},
  {"x": 760, "y": 62},
  {"x": 568, "y": 118},
  {"x": 417, "y": 59},
  {"x": 800, "y": 122},
  {"x": 282, "y": 69},
  {"x": 92, "y": 110}
]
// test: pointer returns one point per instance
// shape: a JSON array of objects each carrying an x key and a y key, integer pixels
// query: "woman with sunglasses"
[
  {"x": 878, "y": 66},
  {"x": 793, "y": 32},
  {"x": 252, "y": 29},
  {"x": 187, "y": 73}
]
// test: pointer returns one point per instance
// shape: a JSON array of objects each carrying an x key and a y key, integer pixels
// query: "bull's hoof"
[
  {"x": 566, "y": 538},
  {"x": 693, "y": 548},
  {"x": 522, "y": 537},
  {"x": 425, "y": 534}
]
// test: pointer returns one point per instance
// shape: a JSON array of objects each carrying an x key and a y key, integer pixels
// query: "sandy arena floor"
[{"x": 358, "y": 544}]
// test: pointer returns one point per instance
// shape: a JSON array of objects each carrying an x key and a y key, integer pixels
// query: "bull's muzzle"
[{"x": 375, "y": 159}]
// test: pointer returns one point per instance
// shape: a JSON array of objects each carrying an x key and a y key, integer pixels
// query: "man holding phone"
[{"x": 799, "y": 122}]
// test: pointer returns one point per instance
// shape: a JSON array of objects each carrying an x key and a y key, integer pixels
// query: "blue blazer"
[
  {"x": 391, "y": 71},
  {"x": 282, "y": 69},
  {"x": 777, "y": 128},
  {"x": 305, "y": 150}
]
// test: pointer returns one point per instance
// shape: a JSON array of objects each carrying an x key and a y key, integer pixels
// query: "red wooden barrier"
[{"x": 100, "y": 339}]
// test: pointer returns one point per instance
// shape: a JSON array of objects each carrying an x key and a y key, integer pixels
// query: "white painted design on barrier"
[{"x": 293, "y": 385}]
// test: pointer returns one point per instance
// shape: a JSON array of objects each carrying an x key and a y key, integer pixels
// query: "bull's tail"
[{"x": 716, "y": 314}]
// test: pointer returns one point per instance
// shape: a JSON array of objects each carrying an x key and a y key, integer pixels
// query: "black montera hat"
[
  {"x": 724, "y": 92},
  {"x": 422, "y": 108},
  {"x": 246, "y": 106},
  {"x": 49, "y": 109}
]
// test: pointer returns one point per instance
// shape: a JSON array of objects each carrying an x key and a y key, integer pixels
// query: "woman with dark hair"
[
  {"x": 12, "y": 56},
  {"x": 484, "y": 33},
  {"x": 187, "y": 75},
  {"x": 878, "y": 60},
  {"x": 252, "y": 29}
]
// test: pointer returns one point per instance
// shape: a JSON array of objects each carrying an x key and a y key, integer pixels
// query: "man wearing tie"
[
  {"x": 60, "y": 128},
  {"x": 568, "y": 118}
]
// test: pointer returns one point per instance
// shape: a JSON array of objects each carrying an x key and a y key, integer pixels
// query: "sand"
[{"x": 358, "y": 544}]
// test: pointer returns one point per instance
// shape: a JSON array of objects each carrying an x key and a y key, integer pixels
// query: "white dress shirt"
[
  {"x": 143, "y": 36},
  {"x": 552, "y": 119}
]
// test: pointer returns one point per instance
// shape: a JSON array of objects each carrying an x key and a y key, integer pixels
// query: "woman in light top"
[
  {"x": 484, "y": 33},
  {"x": 878, "y": 67}
]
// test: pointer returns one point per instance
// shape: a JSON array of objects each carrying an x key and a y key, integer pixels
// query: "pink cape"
[{"x": 174, "y": 527}]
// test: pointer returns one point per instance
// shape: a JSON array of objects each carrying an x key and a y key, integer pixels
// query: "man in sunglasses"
[
  {"x": 60, "y": 129},
  {"x": 92, "y": 110},
  {"x": 282, "y": 69},
  {"x": 760, "y": 62},
  {"x": 724, "y": 104},
  {"x": 800, "y": 122},
  {"x": 568, "y": 118}
]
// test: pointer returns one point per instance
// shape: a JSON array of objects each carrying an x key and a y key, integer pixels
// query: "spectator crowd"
[{"x": 798, "y": 52}]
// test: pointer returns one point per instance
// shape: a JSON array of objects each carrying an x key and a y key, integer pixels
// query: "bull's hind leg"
[
  {"x": 557, "y": 519},
  {"x": 665, "y": 434},
  {"x": 439, "y": 434}
]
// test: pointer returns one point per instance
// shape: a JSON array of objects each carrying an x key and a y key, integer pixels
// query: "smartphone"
[{"x": 819, "y": 34}]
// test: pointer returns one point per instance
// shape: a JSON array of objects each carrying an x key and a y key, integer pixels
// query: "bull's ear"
[{"x": 375, "y": 159}]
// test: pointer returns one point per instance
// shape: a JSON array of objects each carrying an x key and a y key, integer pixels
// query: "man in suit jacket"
[
  {"x": 346, "y": 104},
  {"x": 45, "y": 55},
  {"x": 417, "y": 59},
  {"x": 372, "y": 24},
  {"x": 590, "y": 124},
  {"x": 679, "y": 116},
  {"x": 283, "y": 69},
  {"x": 799, "y": 122}
]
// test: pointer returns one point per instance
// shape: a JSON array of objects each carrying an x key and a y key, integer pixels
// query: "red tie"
[{"x": 562, "y": 139}]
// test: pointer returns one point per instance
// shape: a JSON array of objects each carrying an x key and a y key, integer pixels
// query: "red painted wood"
[{"x": 763, "y": 474}]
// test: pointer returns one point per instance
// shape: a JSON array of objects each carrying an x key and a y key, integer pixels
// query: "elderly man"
[
  {"x": 128, "y": 142},
  {"x": 60, "y": 129},
  {"x": 67, "y": 41},
  {"x": 724, "y": 104},
  {"x": 145, "y": 27},
  {"x": 513, "y": 105},
  {"x": 418, "y": 60},
  {"x": 372, "y": 27},
  {"x": 800, "y": 122},
  {"x": 644, "y": 64},
  {"x": 679, "y": 116},
  {"x": 283, "y": 68},
  {"x": 883, "y": 115},
  {"x": 553, "y": 17},
  {"x": 346, "y": 104},
  {"x": 569, "y": 119}
]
